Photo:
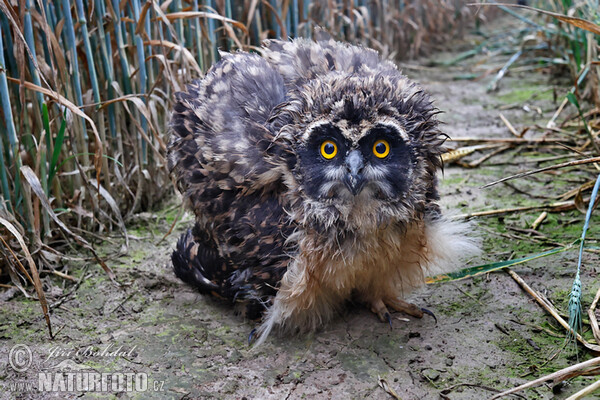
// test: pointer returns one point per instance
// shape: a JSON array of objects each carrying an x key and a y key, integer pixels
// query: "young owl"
[{"x": 312, "y": 174}]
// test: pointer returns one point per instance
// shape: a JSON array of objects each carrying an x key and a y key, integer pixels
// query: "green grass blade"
[
  {"x": 72, "y": 44},
  {"x": 29, "y": 38},
  {"x": 89, "y": 154},
  {"x": 214, "y": 49},
  {"x": 575, "y": 295},
  {"x": 121, "y": 48},
  {"x": 5, "y": 97},
  {"x": 485, "y": 268},
  {"x": 11, "y": 62},
  {"x": 88, "y": 51},
  {"x": 58, "y": 143},
  {"x": 10, "y": 128},
  {"x": 294, "y": 16},
  {"x": 276, "y": 10},
  {"x": 107, "y": 63},
  {"x": 44, "y": 165},
  {"x": 198, "y": 38},
  {"x": 143, "y": 77},
  {"x": 229, "y": 14}
]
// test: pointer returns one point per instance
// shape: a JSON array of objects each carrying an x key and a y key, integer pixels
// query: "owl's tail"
[
  {"x": 190, "y": 260},
  {"x": 450, "y": 243}
]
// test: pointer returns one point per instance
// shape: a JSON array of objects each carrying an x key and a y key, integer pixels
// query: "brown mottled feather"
[{"x": 276, "y": 228}]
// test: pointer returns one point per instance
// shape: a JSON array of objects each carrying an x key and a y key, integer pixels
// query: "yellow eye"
[
  {"x": 328, "y": 149},
  {"x": 381, "y": 148}
]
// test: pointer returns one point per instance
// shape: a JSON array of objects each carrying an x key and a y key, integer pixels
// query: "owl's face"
[
  {"x": 343, "y": 163},
  {"x": 364, "y": 150}
]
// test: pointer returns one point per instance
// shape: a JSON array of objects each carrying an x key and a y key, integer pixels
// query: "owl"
[{"x": 311, "y": 171}]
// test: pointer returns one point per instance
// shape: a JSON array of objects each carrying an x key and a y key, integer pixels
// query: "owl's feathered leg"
[{"x": 447, "y": 242}]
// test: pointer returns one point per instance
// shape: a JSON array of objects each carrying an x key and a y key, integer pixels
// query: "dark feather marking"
[{"x": 235, "y": 134}]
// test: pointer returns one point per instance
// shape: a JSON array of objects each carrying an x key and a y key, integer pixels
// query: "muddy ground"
[{"x": 489, "y": 334}]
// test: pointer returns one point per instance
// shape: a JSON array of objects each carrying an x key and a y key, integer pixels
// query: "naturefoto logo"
[
  {"x": 66, "y": 375},
  {"x": 91, "y": 381}
]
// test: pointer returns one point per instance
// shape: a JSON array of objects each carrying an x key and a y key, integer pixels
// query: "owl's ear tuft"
[{"x": 349, "y": 109}]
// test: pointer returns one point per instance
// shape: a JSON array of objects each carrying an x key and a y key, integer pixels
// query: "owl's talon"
[
  {"x": 428, "y": 312},
  {"x": 251, "y": 336},
  {"x": 378, "y": 307},
  {"x": 389, "y": 319}
]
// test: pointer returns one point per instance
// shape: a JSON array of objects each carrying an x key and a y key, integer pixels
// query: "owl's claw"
[
  {"x": 379, "y": 308},
  {"x": 389, "y": 319},
  {"x": 426, "y": 311},
  {"x": 251, "y": 336}
]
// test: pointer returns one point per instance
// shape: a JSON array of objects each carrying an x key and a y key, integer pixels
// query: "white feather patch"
[{"x": 449, "y": 243}]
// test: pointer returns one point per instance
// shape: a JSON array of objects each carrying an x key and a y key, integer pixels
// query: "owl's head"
[{"x": 366, "y": 149}]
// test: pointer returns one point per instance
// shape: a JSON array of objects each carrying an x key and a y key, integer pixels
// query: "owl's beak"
[{"x": 354, "y": 179}]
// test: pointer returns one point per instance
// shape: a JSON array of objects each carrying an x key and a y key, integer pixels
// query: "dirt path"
[{"x": 488, "y": 332}]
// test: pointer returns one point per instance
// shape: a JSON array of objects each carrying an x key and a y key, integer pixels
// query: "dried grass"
[{"x": 571, "y": 37}]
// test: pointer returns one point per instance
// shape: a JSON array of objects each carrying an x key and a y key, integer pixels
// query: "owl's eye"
[
  {"x": 381, "y": 148},
  {"x": 328, "y": 149}
]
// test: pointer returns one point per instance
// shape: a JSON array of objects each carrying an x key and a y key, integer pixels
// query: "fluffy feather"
[{"x": 285, "y": 231}]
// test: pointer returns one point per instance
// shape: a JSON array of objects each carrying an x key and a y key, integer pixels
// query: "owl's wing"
[
  {"x": 222, "y": 136},
  {"x": 301, "y": 60},
  {"x": 228, "y": 166}
]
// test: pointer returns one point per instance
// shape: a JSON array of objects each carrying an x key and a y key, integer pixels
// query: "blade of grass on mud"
[
  {"x": 457, "y": 154},
  {"x": 575, "y": 309},
  {"x": 544, "y": 169},
  {"x": 35, "y": 276},
  {"x": 554, "y": 207},
  {"x": 583, "y": 393},
  {"x": 558, "y": 376},
  {"x": 495, "y": 266},
  {"x": 549, "y": 307},
  {"x": 387, "y": 388}
]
